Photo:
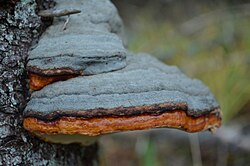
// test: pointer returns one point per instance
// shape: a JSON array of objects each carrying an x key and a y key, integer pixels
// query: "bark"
[{"x": 20, "y": 28}]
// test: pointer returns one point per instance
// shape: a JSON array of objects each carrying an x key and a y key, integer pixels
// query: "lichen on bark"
[{"x": 20, "y": 28}]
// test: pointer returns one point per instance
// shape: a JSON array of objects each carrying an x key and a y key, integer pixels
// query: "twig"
[
  {"x": 58, "y": 12},
  {"x": 65, "y": 24},
  {"x": 195, "y": 149}
]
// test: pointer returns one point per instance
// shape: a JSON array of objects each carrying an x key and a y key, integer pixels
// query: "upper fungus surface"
[
  {"x": 138, "y": 84},
  {"x": 88, "y": 45},
  {"x": 91, "y": 54},
  {"x": 96, "y": 15}
]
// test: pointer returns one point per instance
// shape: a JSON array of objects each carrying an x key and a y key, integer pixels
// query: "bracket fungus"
[
  {"x": 145, "y": 94},
  {"x": 107, "y": 89},
  {"x": 88, "y": 45}
]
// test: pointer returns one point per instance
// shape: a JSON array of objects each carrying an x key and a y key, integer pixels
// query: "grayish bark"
[{"x": 19, "y": 28}]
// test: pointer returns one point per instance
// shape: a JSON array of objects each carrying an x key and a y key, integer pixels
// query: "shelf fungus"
[
  {"x": 72, "y": 55},
  {"x": 86, "y": 44},
  {"x": 145, "y": 94}
]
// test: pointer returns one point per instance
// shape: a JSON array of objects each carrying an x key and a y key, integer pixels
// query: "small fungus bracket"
[
  {"x": 86, "y": 47},
  {"x": 59, "y": 13}
]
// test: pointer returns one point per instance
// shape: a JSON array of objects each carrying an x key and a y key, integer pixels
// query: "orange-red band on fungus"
[{"x": 102, "y": 125}]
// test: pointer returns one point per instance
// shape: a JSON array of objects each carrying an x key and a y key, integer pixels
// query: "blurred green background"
[{"x": 208, "y": 40}]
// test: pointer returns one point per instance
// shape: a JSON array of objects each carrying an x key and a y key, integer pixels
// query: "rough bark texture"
[{"x": 19, "y": 28}]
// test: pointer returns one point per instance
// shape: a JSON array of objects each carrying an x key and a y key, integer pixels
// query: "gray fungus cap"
[
  {"x": 89, "y": 44},
  {"x": 145, "y": 81}
]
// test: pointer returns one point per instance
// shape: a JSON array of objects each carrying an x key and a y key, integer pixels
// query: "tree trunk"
[{"x": 19, "y": 29}]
